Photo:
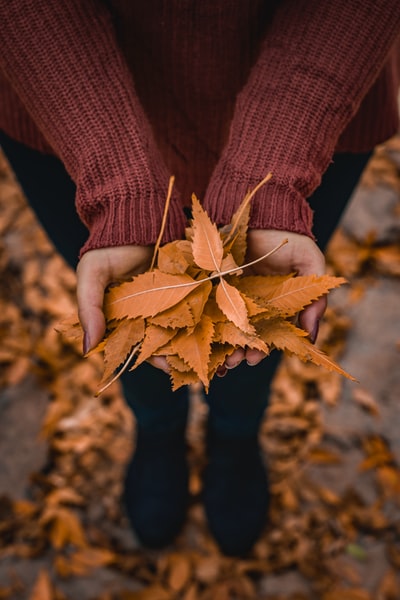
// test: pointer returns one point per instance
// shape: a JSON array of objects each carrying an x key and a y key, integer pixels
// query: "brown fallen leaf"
[{"x": 43, "y": 588}]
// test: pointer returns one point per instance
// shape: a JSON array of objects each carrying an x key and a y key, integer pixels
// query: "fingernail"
[
  {"x": 232, "y": 366},
  {"x": 314, "y": 333},
  {"x": 252, "y": 364},
  {"x": 222, "y": 371},
  {"x": 86, "y": 343}
]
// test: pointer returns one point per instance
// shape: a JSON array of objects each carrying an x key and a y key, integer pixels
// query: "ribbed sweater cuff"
[
  {"x": 274, "y": 206},
  {"x": 127, "y": 217}
]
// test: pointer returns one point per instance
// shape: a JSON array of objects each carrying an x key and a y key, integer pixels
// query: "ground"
[{"x": 331, "y": 445}]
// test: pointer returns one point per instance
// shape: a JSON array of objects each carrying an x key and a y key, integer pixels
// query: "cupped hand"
[
  {"x": 96, "y": 270},
  {"x": 300, "y": 255}
]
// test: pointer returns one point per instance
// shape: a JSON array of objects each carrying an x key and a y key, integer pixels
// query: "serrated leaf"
[
  {"x": 228, "y": 333},
  {"x": 155, "y": 337},
  {"x": 237, "y": 244},
  {"x": 119, "y": 344},
  {"x": 285, "y": 336},
  {"x": 231, "y": 303},
  {"x": 198, "y": 299},
  {"x": 219, "y": 352},
  {"x": 206, "y": 241},
  {"x": 178, "y": 364},
  {"x": 173, "y": 259},
  {"x": 195, "y": 348},
  {"x": 288, "y": 294},
  {"x": 228, "y": 264},
  {"x": 176, "y": 316},
  {"x": 147, "y": 295}
]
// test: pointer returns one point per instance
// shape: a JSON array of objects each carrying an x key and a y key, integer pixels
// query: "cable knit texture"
[{"x": 218, "y": 94}]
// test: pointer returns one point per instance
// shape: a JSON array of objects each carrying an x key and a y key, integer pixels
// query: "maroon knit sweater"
[{"x": 217, "y": 93}]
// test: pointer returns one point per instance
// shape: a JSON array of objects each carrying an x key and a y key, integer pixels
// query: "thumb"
[{"x": 90, "y": 295}]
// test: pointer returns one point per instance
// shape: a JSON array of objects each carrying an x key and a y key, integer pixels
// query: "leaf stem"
[
  {"x": 164, "y": 220},
  {"x": 249, "y": 196},
  {"x": 123, "y": 368}
]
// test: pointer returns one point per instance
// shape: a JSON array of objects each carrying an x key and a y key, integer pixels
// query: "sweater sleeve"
[
  {"x": 316, "y": 63},
  {"x": 65, "y": 64}
]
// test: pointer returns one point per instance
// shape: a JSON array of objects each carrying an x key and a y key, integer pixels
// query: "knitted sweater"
[{"x": 216, "y": 93}]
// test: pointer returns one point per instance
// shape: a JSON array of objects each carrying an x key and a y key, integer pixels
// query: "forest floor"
[{"x": 332, "y": 446}]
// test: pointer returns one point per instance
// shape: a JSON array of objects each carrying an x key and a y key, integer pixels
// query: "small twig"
[
  {"x": 123, "y": 368},
  {"x": 249, "y": 196},
  {"x": 164, "y": 220}
]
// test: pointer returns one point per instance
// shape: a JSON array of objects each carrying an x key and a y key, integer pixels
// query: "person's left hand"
[{"x": 300, "y": 255}]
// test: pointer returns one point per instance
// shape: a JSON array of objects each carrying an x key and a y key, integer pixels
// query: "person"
[{"x": 101, "y": 101}]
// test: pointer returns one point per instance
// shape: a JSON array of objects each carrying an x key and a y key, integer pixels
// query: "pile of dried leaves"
[
  {"x": 174, "y": 310},
  {"x": 72, "y": 520}
]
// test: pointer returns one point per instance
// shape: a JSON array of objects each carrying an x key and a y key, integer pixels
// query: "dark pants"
[{"x": 237, "y": 401}]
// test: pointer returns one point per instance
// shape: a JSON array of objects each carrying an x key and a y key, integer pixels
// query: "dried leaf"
[
  {"x": 152, "y": 592},
  {"x": 65, "y": 527},
  {"x": 174, "y": 258},
  {"x": 43, "y": 588},
  {"x": 195, "y": 348},
  {"x": 285, "y": 336},
  {"x": 155, "y": 337},
  {"x": 206, "y": 241},
  {"x": 147, "y": 295},
  {"x": 228, "y": 333},
  {"x": 230, "y": 301},
  {"x": 180, "y": 570},
  {"x": 128, "y": 333},
  {"x": 291, "y": 294}
]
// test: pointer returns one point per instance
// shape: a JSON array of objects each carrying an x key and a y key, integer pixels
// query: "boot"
[
  {"x": 156, "y": 487},
  {"x": 236, "y": 494}
]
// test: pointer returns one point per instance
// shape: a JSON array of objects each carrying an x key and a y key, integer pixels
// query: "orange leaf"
[
  {"x": 180, "y": 570},
  {"x": 119, "y": 344},
  {"x": 147, "y": 295},
  {"x": 238, "y": 243},
  {"x": 219, "y": 352},
  {"x": 174, "y": 258},
  {"x": 180, "y": 378},
  {"x": 188, "y": 311},
  {"x": 43, "y": 588},
  {"x": 176, "y": 316},
  {"x": 198, "y": 299},
  {"x": 228, "y": 333},
  {"x": 324, "y": 457},
  {"x": 285, "y": 336},
  {"x": 194, "y": 348},
  {"x": 288, "y": 294},
  {"x": 65, "y": 528},
  {"x": 206, "y": 241},
  {"x": 155, "y": 337},
  {"x": 230, "y": 301},
  {"x": 229, "y": 263},
  {"x": 178, "y": 364}
]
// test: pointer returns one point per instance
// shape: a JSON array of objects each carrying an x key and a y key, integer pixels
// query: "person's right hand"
[
  {"x": 96, "y": 270},
  {"x": 300, "y": 255}
]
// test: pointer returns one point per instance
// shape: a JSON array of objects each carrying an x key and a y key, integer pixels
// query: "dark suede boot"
[
  {"x": 236, "y": 495},
  {"x": 156, "y": 487}
]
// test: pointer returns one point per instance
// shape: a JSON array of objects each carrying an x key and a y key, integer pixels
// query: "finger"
[
  {"x": 91, "y": 283},
  {"x": 160, "y": 362},
  {"x": 310, "y": 317},
  {"x": 253, "y": 357},
  {"x": 234, "y": 359}
]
